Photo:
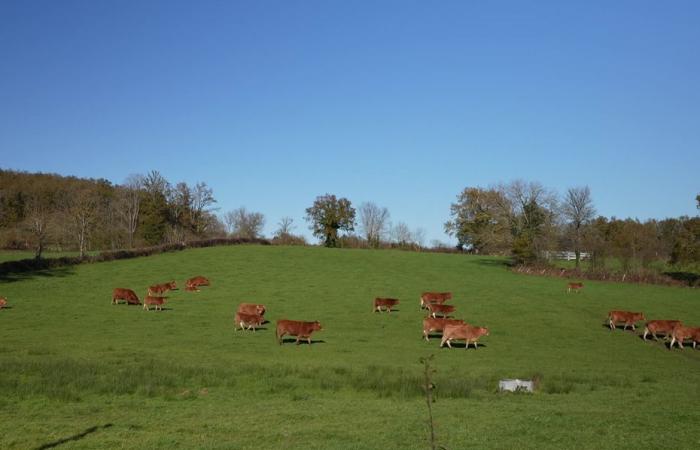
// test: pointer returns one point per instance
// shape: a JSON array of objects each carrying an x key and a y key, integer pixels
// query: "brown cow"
[
  {"x": 434, "y": 297},
  {"x": 247, "y": 321},
  {"x": 660, "y": 326},
  {"x": 157, "y": 302},
  {"x": 251, "y": 308},
  {"x": 193, "y": 283},
  {"x": 3, "y": 302},
  {"x": 466, "y": 332},
  {"x": 387, "y": 303},
  {"x": 296, "y": 328},
  {"x": 681, "y": 333},
  {"x": 125, "y": 294},
  {"x": 158, "y": 289},
  {"x": 431, "y": 324},
  {"x": 576, "y": 287},
  {"x": 630, "y": 318},
  {"x": 443, "y": 310}
]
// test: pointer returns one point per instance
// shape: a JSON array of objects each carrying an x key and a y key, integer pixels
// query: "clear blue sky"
[{"x": 401, "y": 103}]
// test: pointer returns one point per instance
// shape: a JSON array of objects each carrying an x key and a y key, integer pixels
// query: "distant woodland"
[{"x": 520, "y": 219}]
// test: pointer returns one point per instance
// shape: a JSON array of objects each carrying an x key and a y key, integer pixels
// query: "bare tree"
[
  {"x": 202, "y": 199},
  {"x": 374, "y": 221},
  {"x": 244, "y": 224},
  {"x": 284, "y": 226},
  {"x": 81, "y": 211},
  {"x": 401, "y": 234},
  {"x": 38, "y": 210},
  {"x": 128, "y": 205},
  {"x": 578, "y": 209}
]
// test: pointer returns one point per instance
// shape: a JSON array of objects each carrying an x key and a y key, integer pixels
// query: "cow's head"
[
  {"x": 484, "y": 331},
  {"x": 640, "y": 316},
  {"x": 260, "y": 309},
  {"x": 316, "y": 326},
  {"x": 172, "y": 285}
]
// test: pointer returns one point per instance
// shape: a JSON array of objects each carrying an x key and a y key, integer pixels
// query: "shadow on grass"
[
  {"x": 620, "y": 327},
  {"x": 75, "y": 437},
  {"x": 692, "y": 279},
  {"x": 463, "y": 345},
  {"x": 10, "y": 276},
  {"x": 505, "y": 263},
  {"x": 302, "y": 341}
]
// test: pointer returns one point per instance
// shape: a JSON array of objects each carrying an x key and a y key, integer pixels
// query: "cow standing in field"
[
  {"x": 296, "y": 328},
  {"x": 443, "y": 310},
  {"x": 159, "y": 289},
  {"x": 3, "y": 302},
  {"x": 125, "y": 294},
  {"x": 194, "y": 283},
  {"x": 251, "y": 308},
  {"x": 387, "y": 303},
  {"x": 247, "y": 321},
  {"x": 681, "y": 333},
  {"x": 629, "y": 318},
  {"x": 431, "y": 324},
  {"x": 467, "y": 333},
  {"x": 439, "y": 298},
  {"x": 157, "y": 302},
  {"x": 576, "y": 287},
  {"x": 660, "y": 326}
]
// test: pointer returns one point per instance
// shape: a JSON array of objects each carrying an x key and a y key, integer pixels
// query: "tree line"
[
  {"x": 49, "y": 211},
  {"x": 525, "y": 220},
  {"x": 521, "y": 219}
]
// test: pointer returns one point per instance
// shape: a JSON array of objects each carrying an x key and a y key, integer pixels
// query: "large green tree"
[{"x": 328, "y": 216}]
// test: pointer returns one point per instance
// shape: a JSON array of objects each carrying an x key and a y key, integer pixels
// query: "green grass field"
[{"x": 78, "y": 372}]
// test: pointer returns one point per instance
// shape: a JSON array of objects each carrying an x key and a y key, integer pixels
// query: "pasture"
[{"x": 79, "y": 372}]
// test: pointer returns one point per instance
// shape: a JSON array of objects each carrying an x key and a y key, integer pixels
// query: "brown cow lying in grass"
[
  {"x": 439, "y": 298},
  {"x": 157, "y": 302},
  {"x": 681, "y": 333},
  {"x": 431, "y": 324},
  {"x": 3, "y": 302},
  {"x": 576, "y": 287},
  {"x": 247, "y": 321},
  {"x": 158, "y": 289},
  {"x": 125, "y": 294},
  {"x": 467, "y": 333},
  {"x": 660, "y": 326},
  {"x": 193, "y": 284},
  {"x": 251, "y": 308},
  {"x": 443, "y": 310},
  {"x": 296, "y": 328},
  {"x": 629, "y": 318},
  {"x": 380, "y": 303}
]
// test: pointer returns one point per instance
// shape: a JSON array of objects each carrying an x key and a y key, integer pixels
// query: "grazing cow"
[
  {"x": 157, "y": 302},
  {"x": 576, "y": 287},
  {"x": 125, "y": 294},
  {"x": 443, "y": 310},
  {"x": 193, "y": 283},
  {"x": 247, "y": 321},
  {"x": 387, "y": 303},
  {"x": 296, "y": 328},
  {"x": 251, "y": 308},
  {"x": 3, "y": 302},
  {"x": 431, "y": 324},
  {"x": 629, "y": 318},
  {"x": 660, "y": 326},
  {"x": 467, "y": 332},
  {"x": 681, "y": 333},
  {"x": 158, "y": 289},
  {"x": 434, "y": 297}
]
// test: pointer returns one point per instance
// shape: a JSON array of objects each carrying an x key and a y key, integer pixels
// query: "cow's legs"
[
  {"x": 308, "y": 339},
  {"x": 673, "y": 341}
]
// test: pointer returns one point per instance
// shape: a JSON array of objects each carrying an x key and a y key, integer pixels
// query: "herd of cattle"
[
  {"x": 669, "y": 328},
  {"x": 250, "y": 316}
]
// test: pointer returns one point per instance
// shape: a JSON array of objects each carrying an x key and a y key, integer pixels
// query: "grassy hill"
[{"x": 78, "y": 372}]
